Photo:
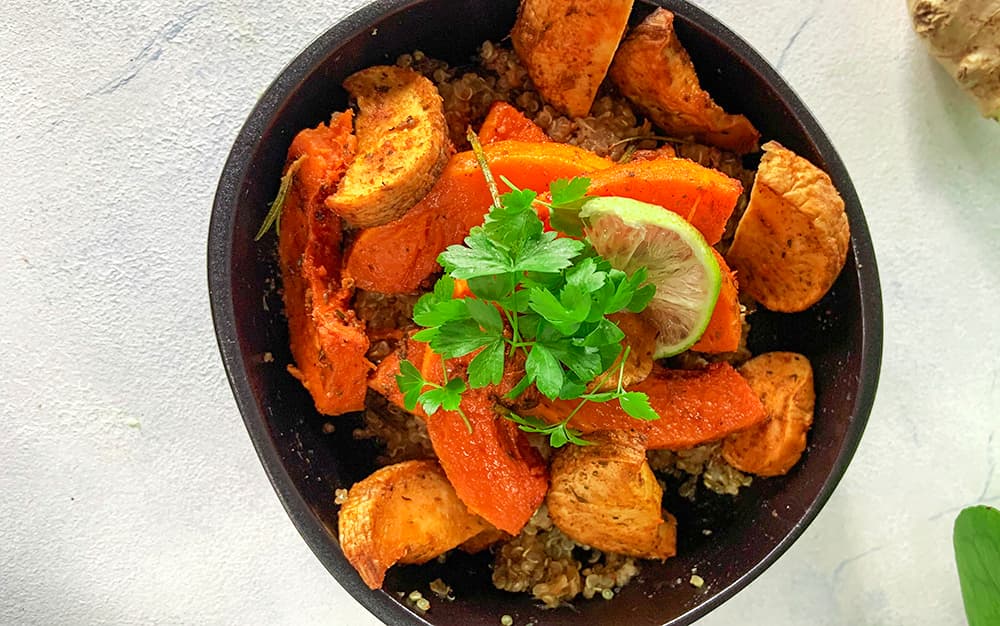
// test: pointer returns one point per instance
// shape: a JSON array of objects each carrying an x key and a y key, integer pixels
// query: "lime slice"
[{"x": 632, "y": 234}]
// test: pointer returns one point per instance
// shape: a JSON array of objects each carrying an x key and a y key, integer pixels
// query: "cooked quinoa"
[
  {"x": 701, "y": 463},
  {"x": 543, "y": 561},
  {"x": 403, "y": 435}
]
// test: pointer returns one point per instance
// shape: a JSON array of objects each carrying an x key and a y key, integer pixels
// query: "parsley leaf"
[
  {"x": 415, "y": 391},
  {"x": 637, "y": 405},
  {"x": 486, "y": 368},
  {"x": 564, "y": 210},
  {"x": 542, "y": 367}
]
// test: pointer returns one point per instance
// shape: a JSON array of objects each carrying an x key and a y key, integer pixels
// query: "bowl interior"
[{"x": 841, "y": 335}]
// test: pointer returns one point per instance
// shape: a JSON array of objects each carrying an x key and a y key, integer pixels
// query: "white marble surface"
[{"x": 129, "y": 491}]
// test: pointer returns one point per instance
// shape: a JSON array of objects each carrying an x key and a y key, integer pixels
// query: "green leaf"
[
  {"x": 431, "y": 312},
  {"x": 486, "y": 314},
  {"x": 519, "y": 388},
  {"x": 558, "y": 438},
  {"x": 620, "y": 298},
  {"x": 586, "y": 276},
  {"x": 529, "y": 423},
  {"x": 458, "y": 338},
  {"x": 636, "y": 404},
  {"x": 546, "y": 253},
  {"x": 411, "y": 383},
  {"x": 549, "y": 307},
  {"x": 486, "y": 368},
  {"x": 977, "y": 556},
  {"x": 584, "y": 363},
  {"x": 527, "y": 326},
  {"x": 569, "y": 192},
  {"x": 480, "y": 256},
  {"x": 641, "y": 298},
  {"x": 577, "y": 302},
  {"x": 544, "y": 302},
  {"x": 427, "y": 335},
  {"x": 455, "y": 387},
  {"x": 448, "y": 397},
  {"x": 493, "y": 287},
  {"x": 606, "y": 332},
  {"x": 574, "y": 437},
  {"x": 511, "y": 226},
  {"x": 543, "y": 367},
  {"x": 572, "y": 390},
  {"x": 273, "y": 216},
  {"x": 515, "y": 200},
  {"x": 444, "y": 288},
  {"x": 566, "y": 221},
  {"x": 641, "y": 293}
]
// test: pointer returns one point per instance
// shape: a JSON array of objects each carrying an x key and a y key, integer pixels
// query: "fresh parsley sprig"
[
  {"x": 428, "y": 394},
  {"x": 535, "y": 296}
]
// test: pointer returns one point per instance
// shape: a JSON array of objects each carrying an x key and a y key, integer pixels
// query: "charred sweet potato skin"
[
  {"x": 327, "y": 342},
  {"x": 654, "y": 71},
  {"x": 403, "y": 513}
]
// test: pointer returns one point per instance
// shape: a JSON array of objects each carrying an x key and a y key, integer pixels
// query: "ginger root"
[{"x": 964, "y": 36}]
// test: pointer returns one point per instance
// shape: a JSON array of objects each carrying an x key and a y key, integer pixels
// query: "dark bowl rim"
[{"x": 219, "y": 253}]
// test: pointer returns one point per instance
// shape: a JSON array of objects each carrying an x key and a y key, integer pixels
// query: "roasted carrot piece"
[
  {"x": 703, "y": 196},
  {"x": 695, "y": 407},
  {"x": 726, "y": 326},
  {"x": 400, "y": 256},
  {"x": 494, "y": 470},
  {"x": 504, "y": 121},
  {"x": 327, "y": 341},
  {"x": 417, "y": 352}
]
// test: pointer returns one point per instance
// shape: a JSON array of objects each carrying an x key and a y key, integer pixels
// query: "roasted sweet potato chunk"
[
  {"x": 654, "y": 71},
  {"x": 327, "y": 341},
  {"x": 567, "y": 46},
  {"x": 791, "y": 243},
  {"x": 402, "y": 145},
  {"x": 403, "y": 513},
  {"x": 606, "y": 496},
  {"x": 784, "y": 382}
]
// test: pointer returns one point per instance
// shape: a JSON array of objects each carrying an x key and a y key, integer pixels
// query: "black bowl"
[{"x": 841, "y": 335}]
